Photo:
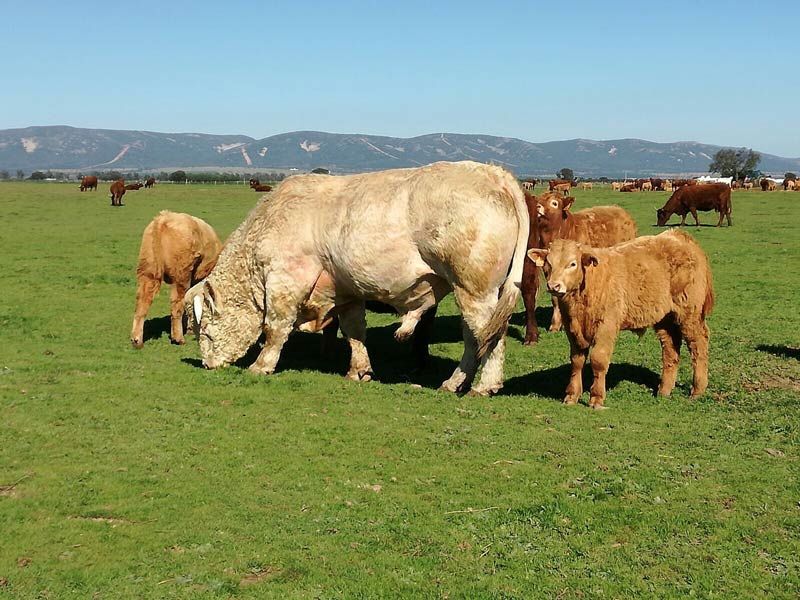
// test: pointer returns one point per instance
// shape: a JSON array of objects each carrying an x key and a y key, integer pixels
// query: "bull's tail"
[{"x": 496, "y": 327}]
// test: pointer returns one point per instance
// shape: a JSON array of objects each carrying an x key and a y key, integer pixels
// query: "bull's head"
[
  {"x": 225, "y": 328},
  {"x": 662, "y": 216},
  {"x": 564, "y": 265}
]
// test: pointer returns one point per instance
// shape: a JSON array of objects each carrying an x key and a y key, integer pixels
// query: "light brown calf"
[
  {"x": 178, "y": 249},
  {"x": 661, "y": 281},
  {"x": 599, "y": 226},
  {"x": 586, "y": 186},
  {"x": 647, "y": 186},
  {"x": 616, "y": 186}
]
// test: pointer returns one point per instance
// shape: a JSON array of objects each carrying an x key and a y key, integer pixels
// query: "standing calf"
[
  {"x": 661, "y": 281},
  {"x": 599, "y": 226},
  {"x": 178, "y": 249}
]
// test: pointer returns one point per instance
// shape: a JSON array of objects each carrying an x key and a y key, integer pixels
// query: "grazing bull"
[
  {"x": 134, "y": 186},
  {"x": 661, "y": 281},
  {"x": 262, "y": 188},
  {"x": 178, "y": 249},
  {"x": 690, "y": 199},
  {"x": 117, "y": 190},
  {"x": 89, "y": 182},
  {"x": 151, "y": 181},
  {"x": 314, "y": 246},
  {"x": 599, "y": 226}
]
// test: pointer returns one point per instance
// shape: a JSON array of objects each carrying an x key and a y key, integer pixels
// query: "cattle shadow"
[
  {"x": 780, "y": 351},
  {"x": 688, "y": 226},
  {"x": 544, "y": 315},
  {"x": 156, "y": 328},
  {"x": 551, "y": 383}
]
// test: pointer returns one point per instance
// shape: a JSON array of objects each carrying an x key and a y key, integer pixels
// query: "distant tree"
[
  {"x": 5, "y": 175},
  {"x": 178, "y": 176},
  {"x": 735, "y": 163},
  {"x": 20, "y": 174},
  {"x": 37, "y": 176},
  {"x": 790, "y": 176},
  {"x": 566, "y": 173}
]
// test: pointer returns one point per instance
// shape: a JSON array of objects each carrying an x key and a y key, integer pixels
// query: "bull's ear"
[
  {"x": 540, "y": 209},
  {"x": 538, "y": 256},
  {"x": 212, "y": 297},
  {"x": 567, "y": 203},
  {"x": 589, "y": 260}
]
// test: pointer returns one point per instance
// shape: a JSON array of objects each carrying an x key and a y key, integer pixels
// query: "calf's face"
[
  {"x": 553, "y": 209},
  {"x": 564, "y": 265}
]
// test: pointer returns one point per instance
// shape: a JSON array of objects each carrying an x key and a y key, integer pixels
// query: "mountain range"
[{"x": 70, "y": 148}]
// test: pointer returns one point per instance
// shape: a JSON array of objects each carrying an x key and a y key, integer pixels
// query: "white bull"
[{"x": 406, "y": 237}]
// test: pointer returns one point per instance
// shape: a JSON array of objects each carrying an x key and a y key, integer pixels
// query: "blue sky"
[{"x": 726, "y": 73}]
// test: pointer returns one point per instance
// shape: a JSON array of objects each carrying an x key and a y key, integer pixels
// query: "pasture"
[{"x": 138, "y": 474}]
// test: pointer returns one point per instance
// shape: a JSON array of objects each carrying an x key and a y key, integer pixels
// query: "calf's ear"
[
  {"x": 567, "y": 203},
  {"x": 589, "y": 260},
  {"x": 538, "y": 256}
]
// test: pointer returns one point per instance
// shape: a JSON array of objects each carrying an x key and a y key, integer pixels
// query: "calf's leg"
[
  {"x": 669, "y": 334},
  {"x": 530, "y": 286},
  {"x": 600, "y": 359},
  {"x": 696, "y": 333},
  {"x": 577, "y": 357},
  {"x": 353, "y": 321},
  {"x": 146, "y": 290},
  {"x": 176, "y": 313},
  {"x": 555, "y": 323}
]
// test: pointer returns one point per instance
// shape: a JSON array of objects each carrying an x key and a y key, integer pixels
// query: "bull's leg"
[
  {"x": 530, "y": 286},
  {"x": 683, "y": 219},
  {"x": 696, "y": 333},
  {"x": 176, "y": 313},
  {"x": 276, "y": 331},
  {"x": 146, "y": 290},
  {"x": 721, "y": 217},
  {"x": 353, "y": 321},
  {"x": 462, "y": 377},
  {"x": 577, "y": 356},
  {"x": 555, "y": 323},
  {"x": 669, "y": 334},
  {"x": 694, "y": 214},
  {"x": 728, "y": 216},
  {"x": 600, "y": 359},
  {"x": 491, "y": 380}
]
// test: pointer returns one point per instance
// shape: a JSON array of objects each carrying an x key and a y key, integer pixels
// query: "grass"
[{"x": 137, "y": 474}]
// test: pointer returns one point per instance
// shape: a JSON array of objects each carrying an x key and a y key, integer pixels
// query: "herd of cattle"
[{"x": 312, "y": 254}]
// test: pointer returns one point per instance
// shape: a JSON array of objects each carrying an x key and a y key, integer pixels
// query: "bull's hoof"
[
  {"x": 256, "y": 369},
  {"x": 137, "y": 344},
  {"x": 663, "y": 392},
  {"x": 554, "y": 328},
  {"x": 177, "y": 342},
  {"x": 482, "y": 392},
  {"x": 596, "y": 403},
  {"x": 402, "y": 335},
  {"x": 360, "y": 375},
  {"x": 530, "y": 340},
  {"x": 570, "y": 400}
]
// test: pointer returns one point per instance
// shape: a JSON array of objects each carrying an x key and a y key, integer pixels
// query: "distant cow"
[
  {"x": 529, "y": 185},
  {"x": 599, "y": 226},
  {"x": 690, "y": 199},
  {"x": 89, "y": 182},
  {"x": 747, "y": 185},
  {"x": 254, "y": 182},
  {"x": 657, "y": 184},
  {"x": 767, "y": 185},
  {"x": 178, "y": 249},
  {"x": 630, "y": 187},
  {"x": 667, "y": 186},
  {"x": 662, "y": 281},
  {"x": 117, "y": 190},
  {"x": 151, "y": 181},
  {"x": 788, "y": 184},
  {"x": 262, "y": 188},
  {"x": 616, "y": 185},
  {"x": 679, "y": 183},
  {"x": 586, "y": 186},
  {"x": 556, "y": 182},
  {"x": 134, "y": 186},
  {"x": 646, "y": 186}
]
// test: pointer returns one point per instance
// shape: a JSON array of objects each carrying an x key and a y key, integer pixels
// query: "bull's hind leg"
[
  {"x": 353, "y": 322},
  {"x": 669, "y": 334},
  {"x": 462, "y": 377},
  {"x": 146, "y": 290},
  {"x": 696, "y": 333}
]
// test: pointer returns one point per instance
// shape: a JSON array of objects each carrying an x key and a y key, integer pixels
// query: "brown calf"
[
  {"x": 178, "y": 249},
  {"x": 530, "y": 274},
  {"x": 661, "y": 281},
  {"x": 599, "y": 226}
]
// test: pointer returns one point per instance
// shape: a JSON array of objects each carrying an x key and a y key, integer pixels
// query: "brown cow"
[
  {"x": 630, "y": 187},
  {"x": 117, "y": 192},
  {"x": 679, "y": 183},
  {"x": 616, "y": 185},
  {"x": 151, "y": 181},
  {"x": 530, "y": 273},
  {"x": 554, "y": 182},
  {"x": 788, "y": 184},
  {"x": 89, "y": 182},
  {"x": 178, "y": 249},
  {"x": 662, "y": 281},
  {"x": 690, "y": 199},
  {"x": 646, "y": 186},
  {"x": 586, "y": 185},
  {"x": 134, "y": 186},
  {"x": 262, "y": 188},
  {"x": 254, "y": 182},
  {"x": 657, "y": 184},
  {"x": 529, "y": 184},
  {"x": 747, "y": 185},
  {"x": 599, "y": 226}
]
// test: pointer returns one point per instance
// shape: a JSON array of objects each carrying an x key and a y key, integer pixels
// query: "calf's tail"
[{"x": 495, "y": 328}]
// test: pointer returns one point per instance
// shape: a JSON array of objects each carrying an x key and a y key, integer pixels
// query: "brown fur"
[
  {"x": 262, "y": 188},
  {"x": 117, "y": 190},
  {"x": 134, "y": 186},
  {"x": 599, "y": 226},
  {"x": 690, "y": 199},
  {"x": 151, "y": 181},
  {"x": 178, "y": 249},
  {"x": 530, "y": 274},
  {"x": 89, "y": 182},
  {"x": 661, "y": 281}
]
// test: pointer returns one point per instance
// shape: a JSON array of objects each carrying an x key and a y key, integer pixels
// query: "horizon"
[{"x": 616, "y": 71}]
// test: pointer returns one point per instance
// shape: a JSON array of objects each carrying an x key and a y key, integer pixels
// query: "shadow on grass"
[
  {"x": 552, "y": 382},
  {"x": 688, "y": 225},
  {"x": 780, "y": 351},
  {"x": 157, "y": 327},
  {"x": 544, "y": 315}
]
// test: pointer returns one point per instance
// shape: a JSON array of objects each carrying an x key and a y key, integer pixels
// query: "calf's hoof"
[
  {"x": 554, "y": 328},
  {"x": 571, "y": 399},
  {"x": 256, "y": 369},
  {"x": 596, "y": 403}
]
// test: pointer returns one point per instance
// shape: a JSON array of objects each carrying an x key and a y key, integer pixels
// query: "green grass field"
[{"x": 137, "y": 474}]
